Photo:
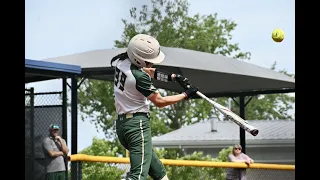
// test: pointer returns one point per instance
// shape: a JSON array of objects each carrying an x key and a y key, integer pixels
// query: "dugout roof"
[
  {"x": 42, "y": 70},
  {"x": 215, "y": 75}
]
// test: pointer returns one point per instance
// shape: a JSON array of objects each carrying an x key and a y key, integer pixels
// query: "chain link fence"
[
  {"x": 115, "y": 171},
  {"x": 41, "y": 110},
  {"x": 29, "y": 112}
]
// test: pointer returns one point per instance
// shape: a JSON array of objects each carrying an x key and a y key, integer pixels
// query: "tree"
[
  {"x": 101, "y": 170},
  {"x": 269, "y": 106},
  {"x": 169, "y": 22},
  {"x": 193, "y": 172}
]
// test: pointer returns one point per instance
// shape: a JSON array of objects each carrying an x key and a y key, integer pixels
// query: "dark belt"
[{"x": 131, "y": 115}]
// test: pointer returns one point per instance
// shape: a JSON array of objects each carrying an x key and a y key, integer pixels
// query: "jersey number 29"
[{"x": 120, "y": 77}]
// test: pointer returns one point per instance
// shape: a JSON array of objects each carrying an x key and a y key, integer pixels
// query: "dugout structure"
[{"x": 44, "y": 108}]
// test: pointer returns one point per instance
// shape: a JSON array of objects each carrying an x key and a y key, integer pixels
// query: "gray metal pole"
[
  {"x": 65, "y": 117},
  {"x": 242, "y": 131},
  {"x": 33, "y": 159},
  {"x": 64, "y": 110},
  {"x": 74, "y": 127}
]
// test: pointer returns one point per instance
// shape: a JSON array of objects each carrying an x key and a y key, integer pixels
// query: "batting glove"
[
  {"x": 191, "y": 91},
  {"x": 183, "y": 81}
]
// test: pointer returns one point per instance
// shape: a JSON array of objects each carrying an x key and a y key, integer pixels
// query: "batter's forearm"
[{"x": 168, "y": 100}]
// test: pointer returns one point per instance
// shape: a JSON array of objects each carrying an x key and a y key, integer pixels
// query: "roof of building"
[
  {"x": 199, "y": 134},
  {"x": 224, "y": 76},
  {"x": 40, "y": 70}
]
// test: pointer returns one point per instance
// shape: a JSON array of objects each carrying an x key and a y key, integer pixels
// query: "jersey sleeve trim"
[{"x": 145, "y": 85}]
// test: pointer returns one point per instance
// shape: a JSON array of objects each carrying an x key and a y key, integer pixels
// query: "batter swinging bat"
[{"x": 232, "y": 116}]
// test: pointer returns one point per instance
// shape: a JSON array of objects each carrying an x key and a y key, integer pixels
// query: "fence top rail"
[
  {"x": 26, "y": 89},
  {"x": 45, "y": 93},
  {"x": 171, "y": 162}
]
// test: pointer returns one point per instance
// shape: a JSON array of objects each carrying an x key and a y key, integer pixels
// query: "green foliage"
[
  {"x": 101, "y": 147},
  {"x": 96, "y": 102},
  {"x": 269, "y": 106},
  {"x": 101, "y": 171},
  {"x": 193, "y": 172},
  {"x": 160, "y": 152},
  {"x": 170, "y": 23},
  {"x": 97, "y": 170},
  {"x": 223, "y": 154}
]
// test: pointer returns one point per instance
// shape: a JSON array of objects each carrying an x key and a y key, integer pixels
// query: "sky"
[{"x": 57, "y": 28}]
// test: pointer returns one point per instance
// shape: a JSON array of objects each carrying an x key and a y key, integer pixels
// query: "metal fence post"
[
  {"x": 74, "y": 128},
  {"x": 242, "y": 131},
  {"x": 32, "y": 131},
  {"x": 65, "y": 117}
]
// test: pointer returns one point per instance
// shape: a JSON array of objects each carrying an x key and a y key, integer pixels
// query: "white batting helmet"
[{"x": 143, "y": 48}]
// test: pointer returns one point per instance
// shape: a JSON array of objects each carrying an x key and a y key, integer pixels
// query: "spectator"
[
  {"x": 237, "y": 156},
  {"x": 55, "y": 149}
]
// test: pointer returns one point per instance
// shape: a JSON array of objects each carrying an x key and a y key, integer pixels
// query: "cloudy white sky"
[{"x": 57, "y": 28}]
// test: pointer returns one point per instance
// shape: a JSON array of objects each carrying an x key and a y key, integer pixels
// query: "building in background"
[{"x": 275, "y": 142}]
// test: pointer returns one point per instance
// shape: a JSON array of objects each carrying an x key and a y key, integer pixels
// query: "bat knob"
[{"x": 255, "y": 132}]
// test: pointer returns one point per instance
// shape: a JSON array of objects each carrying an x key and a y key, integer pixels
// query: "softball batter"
[{"x": 132, "y": 88}]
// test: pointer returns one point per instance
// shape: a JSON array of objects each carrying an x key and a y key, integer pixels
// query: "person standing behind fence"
[
  {"x": 237, "y": 156},
  {"x": 55, "y": 148}
]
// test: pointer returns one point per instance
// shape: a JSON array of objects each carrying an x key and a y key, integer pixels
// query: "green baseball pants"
[
  {"x": 55, "y": 175},
  {"x": 134, "y": 134}
]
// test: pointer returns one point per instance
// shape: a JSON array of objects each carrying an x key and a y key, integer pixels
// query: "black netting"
[
  {"x": 28, "y": 134},
  {"x": 41, "y": 110},
  {"x": 265, "y": 174}
]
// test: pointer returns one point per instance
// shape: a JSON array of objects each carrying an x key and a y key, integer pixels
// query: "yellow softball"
[{"x": 278, "y": 35}]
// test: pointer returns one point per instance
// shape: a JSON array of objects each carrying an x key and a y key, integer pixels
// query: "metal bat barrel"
[
  {"x": 254, "y": 132},
  {"x": 232, "y": 116}
]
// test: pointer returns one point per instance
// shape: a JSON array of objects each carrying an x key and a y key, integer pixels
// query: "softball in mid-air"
[{"x": 278, "y": 35}]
